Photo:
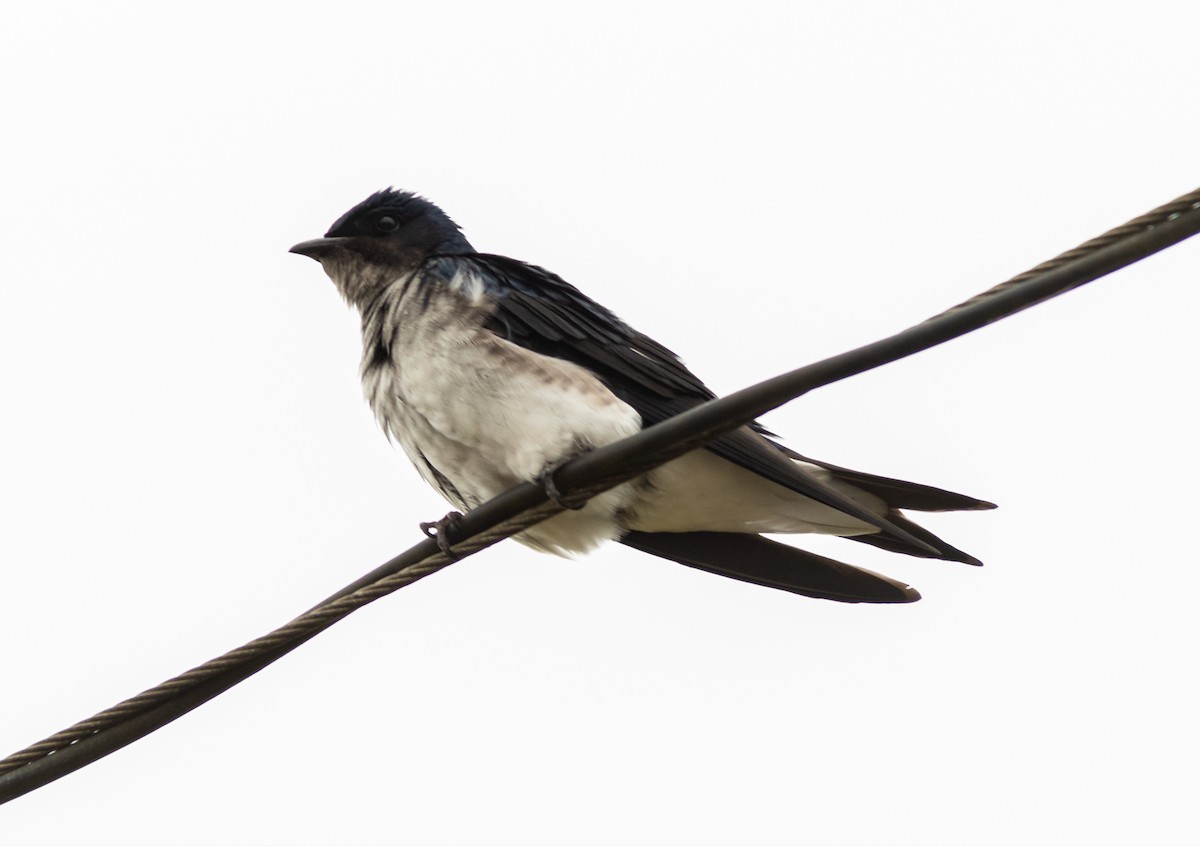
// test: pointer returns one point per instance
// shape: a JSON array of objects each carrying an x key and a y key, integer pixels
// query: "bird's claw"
[
  {"x": 437, "y": 531},
  {"x": 546, "y": 478}
]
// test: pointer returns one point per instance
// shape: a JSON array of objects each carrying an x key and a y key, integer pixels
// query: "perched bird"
[{"x": 490, "y": 372}]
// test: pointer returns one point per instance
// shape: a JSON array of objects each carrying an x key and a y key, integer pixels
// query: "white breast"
[{"x": 477, "y": 414}]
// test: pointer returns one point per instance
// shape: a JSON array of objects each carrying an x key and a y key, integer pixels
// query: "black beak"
[{"x": 317, "y": 248}]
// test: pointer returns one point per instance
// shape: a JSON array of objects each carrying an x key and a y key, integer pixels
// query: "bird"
[{"x": 489, "y": 371}]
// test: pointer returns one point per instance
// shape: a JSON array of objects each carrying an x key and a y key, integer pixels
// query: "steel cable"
[{"x": 526, "y": 504}]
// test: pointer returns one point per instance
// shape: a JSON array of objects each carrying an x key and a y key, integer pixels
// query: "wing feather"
[{"x": 544, "y": 313}]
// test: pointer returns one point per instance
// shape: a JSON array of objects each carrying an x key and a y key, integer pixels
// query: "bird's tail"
[
  {"x": 752, "y": 558},
  {"x": 899, "y": 494}
]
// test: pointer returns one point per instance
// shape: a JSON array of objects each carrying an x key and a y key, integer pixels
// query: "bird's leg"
[
  {"x": 546, "y": 478},
  {"x": 437, "y": 530}
]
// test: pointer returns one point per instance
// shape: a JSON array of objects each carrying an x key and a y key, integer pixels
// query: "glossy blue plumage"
[{"x": 488, "y": 370}]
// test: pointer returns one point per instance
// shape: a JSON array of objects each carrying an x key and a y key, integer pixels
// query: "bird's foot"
[
  {"x": 546, "y": 478},
  {"x": 437, "y": 531}
]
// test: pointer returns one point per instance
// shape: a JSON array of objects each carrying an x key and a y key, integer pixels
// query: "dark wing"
[
  {"x": 896, "y": 492},
  {"x": 752, "y": 558},
  {"x": 542, "y": 312}
]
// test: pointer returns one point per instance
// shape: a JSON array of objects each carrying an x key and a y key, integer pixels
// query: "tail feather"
[
  {"x": 944, "y": 551},
  {"x": 752, "y": 558},
  {"x": 898, "y": 493}
]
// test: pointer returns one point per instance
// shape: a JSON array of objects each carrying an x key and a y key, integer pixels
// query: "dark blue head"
[
  {"x": 388, "y": 234},
  {"x": 401, "y": 218}
]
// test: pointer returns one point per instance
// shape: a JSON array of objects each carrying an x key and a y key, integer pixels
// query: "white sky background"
[{"x": 188, "y": 462}]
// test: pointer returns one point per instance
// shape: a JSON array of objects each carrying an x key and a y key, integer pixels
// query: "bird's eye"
[{"x": 386, "y": 223}]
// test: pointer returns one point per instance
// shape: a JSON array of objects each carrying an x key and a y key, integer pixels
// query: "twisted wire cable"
[
  {"x": 1155, "y": 217},
  {"x": 293, "y": 633},
  {"x": 527, "y": 504}
]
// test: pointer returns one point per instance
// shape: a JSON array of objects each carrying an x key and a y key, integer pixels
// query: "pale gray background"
[{"x": 187, "y": 460}]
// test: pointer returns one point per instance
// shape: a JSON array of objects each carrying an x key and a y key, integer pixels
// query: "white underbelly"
[
  {"x": 477, "y": 419},
  {"x": 700, "y": 491}
]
